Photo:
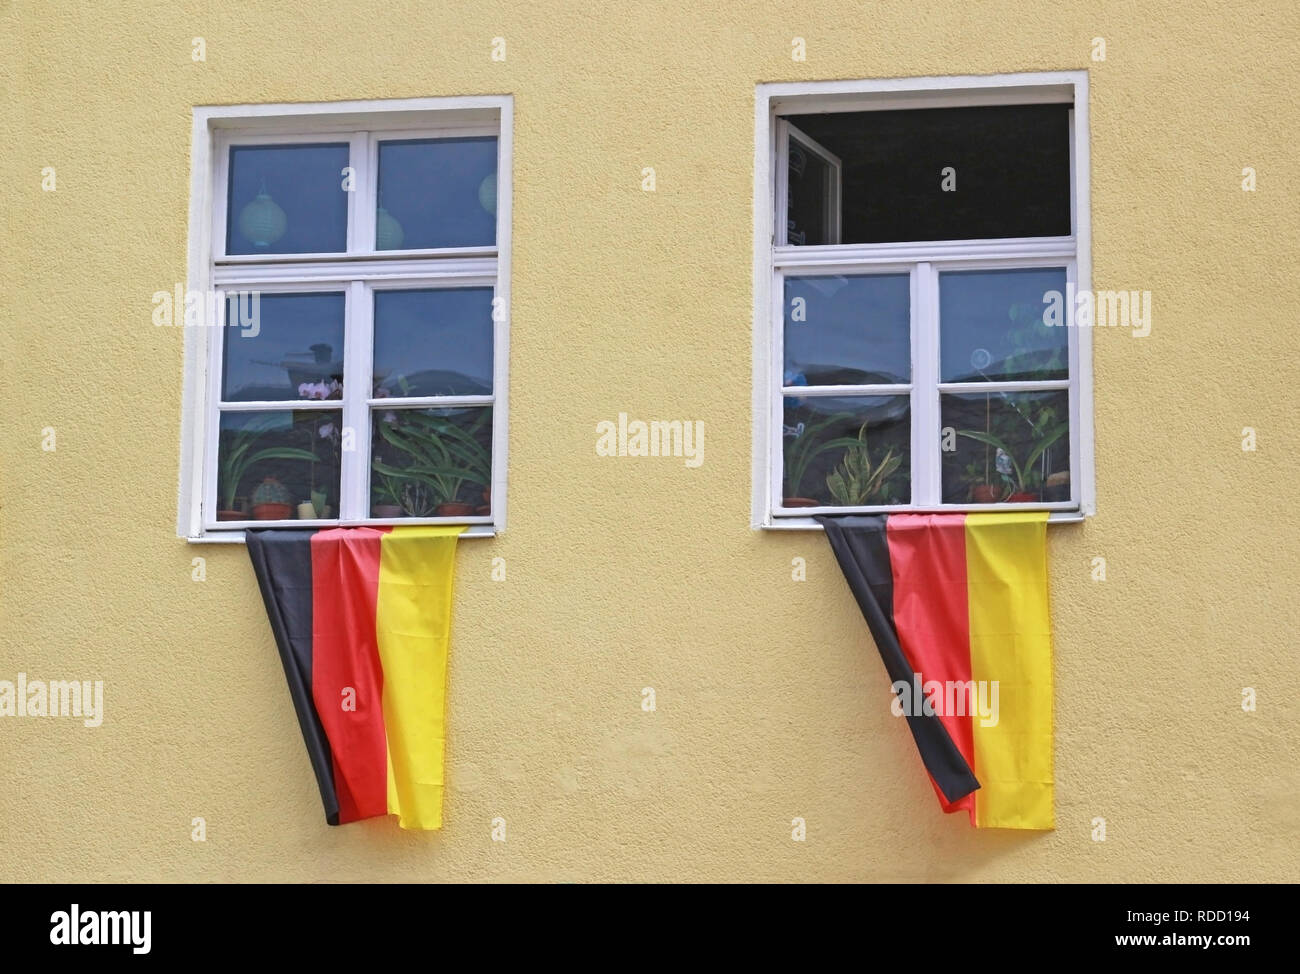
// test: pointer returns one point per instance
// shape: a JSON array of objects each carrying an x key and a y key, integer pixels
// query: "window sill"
[
  {"x": 237, "y": 537},
  {"x": 808, "y": 524}
]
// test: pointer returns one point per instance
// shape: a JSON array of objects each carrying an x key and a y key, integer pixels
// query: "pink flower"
[
  {"x": 326, "y": 431},
  {"x": 313, "y": 390}
]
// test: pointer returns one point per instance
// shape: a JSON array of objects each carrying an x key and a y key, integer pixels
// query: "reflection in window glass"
[
  {"x": 293, "y": 349},
  {"x": 846, "y": 452},
  {"x": 287, "y": 199},
  {"x": 991, "y": 326},
  {"x": 847, "y": 330},
  {"x": 1009, "y": 446},
  {"x": 437, "y": 193},
  {"x": 433, "y": 342}
]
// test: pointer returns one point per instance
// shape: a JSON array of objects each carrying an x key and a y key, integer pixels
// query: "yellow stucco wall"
[{"x": 628, "y": 573}]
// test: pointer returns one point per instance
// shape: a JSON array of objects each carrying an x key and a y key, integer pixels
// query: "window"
[
  {"x": 914, "y": 239},
  {"x": 355, "y": 257}
]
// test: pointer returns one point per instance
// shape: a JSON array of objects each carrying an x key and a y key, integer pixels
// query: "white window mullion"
[
  {"x": 354, "y": 488},
  {"x": 927, "y": 489},
  {"x": 362, "y": 224}
]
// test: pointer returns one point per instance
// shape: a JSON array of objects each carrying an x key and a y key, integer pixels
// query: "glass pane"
[
  {"x": 847, "y": 330},
  {"x": 280, "y": 465},
  {"x": 431, "y": 462},
  {"x": 287, "y": 199},
  {"x": 283, "y": 346},
  {"x": 847, "y": 452},
  {"x": 949, "y": 173},
  {"x": 433, "y": 342},
  {"x": 1006, "y": 446},
  {"x": 810, "y": 183},
  {"x": 991, "y": 326},
  {"x": 437, "y": 193}
]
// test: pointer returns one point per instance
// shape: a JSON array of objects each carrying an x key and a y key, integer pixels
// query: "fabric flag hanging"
[
  {"x": 958, "y": 607},
  {"x": 362, "y": 620}
]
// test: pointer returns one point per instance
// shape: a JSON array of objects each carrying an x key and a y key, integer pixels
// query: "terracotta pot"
[
  {"x": 454, "y": 510},
  {"x": 1022, "y": 497},
  {"x": 985, "y": 494},
  {"x": 271, "y": 512},
  {"x": 799, "y": 502},
  {"x": 387, "y": 510},
  {"x": 484, "y": 511},
  {"x": 231, "y": 515}
]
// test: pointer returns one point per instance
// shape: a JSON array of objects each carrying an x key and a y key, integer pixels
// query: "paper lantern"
[
  {"x": 262, "y": 222},
  {"x": 388, "y": 232}
]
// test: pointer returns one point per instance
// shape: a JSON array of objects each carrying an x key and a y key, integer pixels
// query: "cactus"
[{"x": 271, "y": 491}]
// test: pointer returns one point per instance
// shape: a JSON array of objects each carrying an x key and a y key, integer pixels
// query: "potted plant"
[
  {"x": 271, "y": 501},
  {"x": 446, "y": 464},
  {"x": 800, "y": 453},
  {"x": 857, "y": 481},
  {"x": 983, "y": 490},
  {"x": 237, "y": 460},
  {"x": 1021, "y": 478}
]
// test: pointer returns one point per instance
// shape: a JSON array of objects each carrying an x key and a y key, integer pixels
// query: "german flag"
[
  {"x": 362, "y": 619},
  {"x": 958, "y": 607}
]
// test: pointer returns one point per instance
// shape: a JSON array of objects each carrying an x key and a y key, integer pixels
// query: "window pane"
[
  {"x": 847, "y": 330},
  {"x": 1010, "y": 171},
  {"x": 1009, "y": 446},
  {"x": 437, "y": 193},
  {"x": 433, "y": 342},
  {"x": 283, "y": 346},
  {"x": 847, "y": 452},
  {"x": 431, "y": 462},
  {"x": 808, "y": 220},
  {"x": 287, "y": 199},
  {"x": 270, "y": 463},
  {"x": 991, "y": 326}
]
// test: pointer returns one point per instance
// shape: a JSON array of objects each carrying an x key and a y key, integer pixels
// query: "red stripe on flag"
[
  {"x": 345, "y": 657},
  {"x": 927, "y": 554}
]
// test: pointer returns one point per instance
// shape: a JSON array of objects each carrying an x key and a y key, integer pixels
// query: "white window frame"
[
  {"x": 358, "y": 273},
  {"x": 923, "y": 261}
]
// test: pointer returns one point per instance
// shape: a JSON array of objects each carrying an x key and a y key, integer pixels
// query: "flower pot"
[
  {"x": 387, "y": 510},
  {"x": 985, "y": 494},
  {"x": 231, "y": 516},
  {"x": 271, "y": 512},
  {"x": 1023, "y": 497},
  {"x": 306, "y": 511},
  {"x": 799, "y": 502},
  {"x": 454, "y": 510},
  {"x": 484, "y": 511}
]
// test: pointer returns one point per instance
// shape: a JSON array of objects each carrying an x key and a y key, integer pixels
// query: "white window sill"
[
  {"x": 237, "y": 537},
  {"x": 808, "y": 524}
]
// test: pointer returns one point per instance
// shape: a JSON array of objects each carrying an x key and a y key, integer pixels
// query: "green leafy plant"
[
  {"x": 857, "y": 481},
  {"x": 442, "y": 458},
  {"x": 237, "y": 459},
  {"x": 800, "y": 453},
  {"x": 1021, "y": 474},
  {"x": 1028, "y": 359}
]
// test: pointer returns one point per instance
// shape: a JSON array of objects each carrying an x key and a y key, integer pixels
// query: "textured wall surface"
[{"x": 628, "y": 573}]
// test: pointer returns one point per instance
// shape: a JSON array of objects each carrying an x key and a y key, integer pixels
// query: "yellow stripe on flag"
[
  {"x": 1011, "y": 643},
  {"x": 413, "y": 625}
]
